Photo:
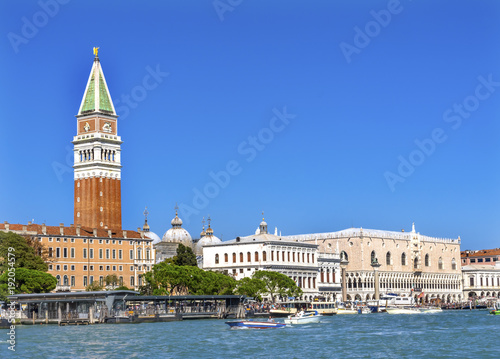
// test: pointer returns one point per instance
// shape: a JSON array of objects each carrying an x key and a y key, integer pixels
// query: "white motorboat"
[
  {"x": 403, "y": 310},
  {"x": 304, "y": 318},
  {"x": 364, "y": 310},
  {"x": 342, "y": 309}
]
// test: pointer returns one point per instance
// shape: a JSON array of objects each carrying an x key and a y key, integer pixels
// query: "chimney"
[
  {"x": 95, "y": 232},
  {"x": 110, "y": 234},
  {"x": 61, "y": 228},
  {"x": 7, "y": 225},
  {"x": 29, "y": 223},
  {"x": 78, "y": 229},
  {"x": 44, "y": 228},
  {"x": 124, "y": 234}
]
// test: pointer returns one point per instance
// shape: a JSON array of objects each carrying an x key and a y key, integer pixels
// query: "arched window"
[
  {"x": 388, "y": 258},
  {"x": 241, "y": 257},
  {"x": 264, "y": 256},
  {"x": 132, "y": 281},
  {"x": 58, "y": 277},
  {"x": 234, "y": 257},
  {"x": 343, "y": 255},
  {"x": 453, "y": 264},
  {"x": 216, "y": 259},
  {"x": 139, "y": 253},
  {"x": 403, "y": 259},
  {"x": 249, "y": 257},
  {"x": 372, "y": 257},
  {"x": 256, "y": 256},
  {"x": 427, "y": 261},
  {"x": 415, "y": 263},
  {"x": 440, "y": 263},
  {"x": 73, "y": 281},
  {"x": 65, "y": 280},
  {"x": 226, "y": 258}
]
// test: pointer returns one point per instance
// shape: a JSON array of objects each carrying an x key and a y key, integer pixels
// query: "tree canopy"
[
  {"x": 251, "y": 287},
  {"x": 27, "y": 281},
  {"x": 277, "y": 284},
  {"x": 168, "y": 279},
  {"x": 185, "y": 256},
  {"x": 25, "y": 255}
]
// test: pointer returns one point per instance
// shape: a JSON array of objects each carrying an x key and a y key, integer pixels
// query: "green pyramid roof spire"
[{"x": 96, "y": 97}]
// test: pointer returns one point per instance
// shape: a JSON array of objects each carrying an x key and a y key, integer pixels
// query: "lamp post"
[
  {"x": 343, "y": 264},
  {"x": 376, "y": 265}
]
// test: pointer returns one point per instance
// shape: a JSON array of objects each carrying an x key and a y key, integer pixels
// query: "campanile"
[{"x": 97, "y": 147}]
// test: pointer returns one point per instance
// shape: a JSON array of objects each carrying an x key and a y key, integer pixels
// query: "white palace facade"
[
  {"x": 317, "y": 274},
  {"x": 410, "y": 263}
]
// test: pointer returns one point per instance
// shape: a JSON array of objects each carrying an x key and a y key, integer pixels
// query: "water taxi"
[
  {"x": 304, "y": 318},
  {"x": 248, "y": 324}
]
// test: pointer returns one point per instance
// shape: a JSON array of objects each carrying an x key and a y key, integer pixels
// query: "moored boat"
[
  {"x": 304, "y": 318},
  {"x": 403, "y": 310},
  {"x": 248, "y": 324}
]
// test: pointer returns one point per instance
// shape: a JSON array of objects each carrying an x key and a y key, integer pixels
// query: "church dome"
[
  {"x": 151, "y": 235},
  {"x": 206, "y": 239},
  {"x": 177, "y": 234}
]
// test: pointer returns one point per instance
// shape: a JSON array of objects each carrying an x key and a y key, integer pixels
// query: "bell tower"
[{"x": 97, "y": 147}]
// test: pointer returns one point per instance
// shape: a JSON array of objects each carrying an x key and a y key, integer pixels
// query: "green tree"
[
  {"x": 25, "y": 255},
  {"x": 278, "y": 284},
  {"x": 185, "y": 256},
  {"x": 251, "y": 287},
  {"x": 95, "y": 286},
  {"x": 111, "y": 280},
  {"x": 26, "y": 281}
]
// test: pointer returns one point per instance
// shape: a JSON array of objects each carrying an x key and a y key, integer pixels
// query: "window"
[
  {"x": 114, "y": 253},
  {"x": 372, "y": 257},
  {"x": 480, "y": 260},
  {"x": 249, "y": 257},
  {"x": 312, "y": 255},
  {"x": 107, "y": 253},
  {"x": 72, "y": 240},
  {"x": 307, "y": 262},
  {"x": 91, "y": 241},
  {"x": 58, "y": 277},
  {"x": 65, "y": 252},
  {"x": 487, "y": 259},
  {"x": 293, "y": 257},
  {"x": 100, "y": 241},
  {"x": 216, "y": 259},
  {"x": 84, "y": 268},
  {"x": 403, "y": 259},
  {"x": 91, "y": 279},
  {"x": 50, "y": 266},
  {"x": 343, "y": 255},
  {"x": 121, "y": 281},
  {"x": 415, "y": 263},
  {"x": 65, "y": 239},
  {"x": 58, "y": 267},
  {"x": 84, "y": 252},
  {"x": 226, "y": 258},
  {"x": 65, "y": 280},
  {"x": 427, "y": 260},
  {"x": 264, "y": 256},
  {"x": 388, "y": 259},
  {"x": 241, "y": 257},
  {"x": 107, "y": 268},
  {"x": 440, "y": 263},
  {"x": 114, "y": 268},
  {"x": 114, "y": 241},
  {"x": 278, "y": 256},
  {"x": 58, "y": 252},
  {"x": 85, "y": 240},
  {"x": 72, "y": 280},
  {"x": 131, "y": 268},
  {"x": 288, "y": 256},
  {"x": 65, "y": 267},
  {"x": 58, "y": 239},
  {"x": 473, "y": 260},
  {"x": 453, "y": 264},
  {"x": 50, "y": 239},
  {"x": 272, "y": 255},
  {"x": 241, "y": 270},
  {"x": 72, "y": 252},
  {"x": 234, "y": 257},
  {"x": 91, "y": 268},
  {"x": 101, "y": 280},
  {"x": 139, "y": 252},
  {"x": 101, "y": 267},
  {"x": 84, "y": 280},
  {"x": 119, "y": 242},
  {"x": 91, "y": 253},
  {"x": 50, "y": 251},
  {"x": 257, "y": 256},
  {"x": 120, "y": 268},
  {"x": 120, "y": 254},
  {"x": 73, "y": 267},
  {"x": 131, "y": 254}
]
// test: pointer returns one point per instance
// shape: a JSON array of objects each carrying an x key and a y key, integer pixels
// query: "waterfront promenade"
[{"x": 443, "y": 335}]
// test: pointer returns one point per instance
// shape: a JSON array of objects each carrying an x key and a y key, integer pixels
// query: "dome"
[
  {"x": 177, "y": 234},
  {"x": 151, "y": 235},
  {"x": 204, "y": 241}
]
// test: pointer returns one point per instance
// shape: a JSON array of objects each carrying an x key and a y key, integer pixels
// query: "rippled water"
[{"x": 450, "y": 334}]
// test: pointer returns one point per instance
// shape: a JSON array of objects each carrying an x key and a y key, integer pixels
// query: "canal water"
[{"x": 451, "y": 334}]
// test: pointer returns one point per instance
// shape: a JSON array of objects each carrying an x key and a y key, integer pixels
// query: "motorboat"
[
  {"x": 342, "y": 309},
  {"x": 248, "y": 324},
  {"x": 403, "y": 310},
  {"x": 304, "y": 318},
  {"x": 364, "y": 310},
  {"x": 496, "y": 308}
]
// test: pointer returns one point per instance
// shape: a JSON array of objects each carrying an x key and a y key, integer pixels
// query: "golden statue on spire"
[{"x": 96, "y": 49}]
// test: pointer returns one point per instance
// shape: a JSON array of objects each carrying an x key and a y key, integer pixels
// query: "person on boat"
[
  {"x": 301, "y": 313},
  {"x": 270, "y": 319}
]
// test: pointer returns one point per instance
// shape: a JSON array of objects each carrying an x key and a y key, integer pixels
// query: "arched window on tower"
[
  {"x": 440, "y": 263},
  {"x": 415, "y": 263},
  {"x": 388, "y": 258},
  {"x": 372, "y": 257},
  {"x": 453, "y": 264},
  {"x": 403, "y": 259},
  {"x": 427, "y": 260},
  {"x": 344, "y": 256}
]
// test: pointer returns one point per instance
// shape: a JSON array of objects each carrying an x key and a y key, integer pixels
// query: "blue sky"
[{"x": 324, "y": 115}]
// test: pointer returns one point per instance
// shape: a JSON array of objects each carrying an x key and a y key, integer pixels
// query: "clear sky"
[{"x": 323, "y": 114}]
